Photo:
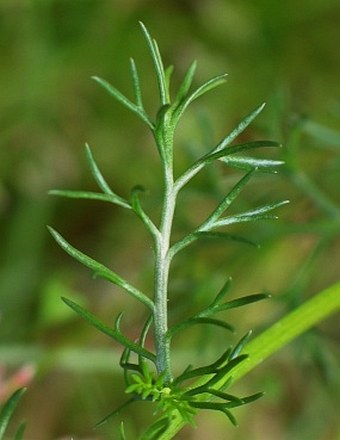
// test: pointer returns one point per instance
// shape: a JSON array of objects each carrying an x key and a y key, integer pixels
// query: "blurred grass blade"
[
  {"x": 158, "y": 63},
  {"x": 325, "y": 134},
  {"x": 19, "y": 435},
  {"x": 8, "y": 410},
  {"x": 114, "y": 333},
  {"x": 99, "y": 269},
  {"x": 122, "y": 431},
  {"x": 101, "y": 181}
]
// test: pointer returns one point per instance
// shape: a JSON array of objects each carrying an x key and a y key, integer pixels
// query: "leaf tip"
[
  {"x": 144, "y": 29},
  {"x": 51, "y": 230}
]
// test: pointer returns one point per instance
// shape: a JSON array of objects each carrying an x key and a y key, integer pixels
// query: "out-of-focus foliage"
[{"x": 285, "y": 53}]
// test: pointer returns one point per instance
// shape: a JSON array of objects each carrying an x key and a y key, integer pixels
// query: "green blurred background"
[{"x": 284, "y": 53}]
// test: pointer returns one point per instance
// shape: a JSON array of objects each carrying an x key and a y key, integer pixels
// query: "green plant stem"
[
  {"x": 270, "y": 341},
  {"x": 162, "y": 268}
]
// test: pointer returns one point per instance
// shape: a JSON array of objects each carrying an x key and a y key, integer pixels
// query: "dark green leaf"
[
  {"x": 113, "y": 333},
  {"x": 158, "y": 63},
  {"x": 19, "y": 435},
  {"x": 249, "y": 163},
  {"x": 252, "y": 398},
  {"x": 192, "y": 171},
  {"x": 156, "y": 429},
  {"x": 115, "y": 412},
  {"x": 168, "y": 74},
  {"x": 90, "y": 196},
  {"x": 101, "y": 182},
  {"x": 226, "y": 202},
  {"x": 8, "y": 409},
  {"x": 186, "y": 83},
  {"x": 99, "y": 269},
  {"x": 223, "y": 292},
  {"x": 216, "y": 407},
  {"x": 226, "y": 369},
  {"x": 224, "y": 236},
  {"x": 123, "y": 100},
  {"x": 197, "y": 320},
  {"x": 204, "y": 88},
  {"x": 136, "y": 84},
  {"x": 225, "y": 396},
  {"x": 210, "y": 157},
  {"x": 137, "y": 207},
  {"x": 128, "y": 366},
  {"x": 218, "y": 153},
  {"x": 145, "y": 330},
  {"x": 240, "y": 345},
  {"x": 240, "y": 128},
  {"x": 190, "y": 373},
  {"x": 256, "y": 214},
  {"x": 240, "y": 302},
  {"x": 220, "y": 374}
]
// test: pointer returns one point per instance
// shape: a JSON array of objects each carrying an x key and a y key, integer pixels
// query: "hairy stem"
[{"x": 162, "y": 268}]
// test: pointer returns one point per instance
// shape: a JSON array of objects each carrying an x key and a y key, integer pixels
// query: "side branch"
[{"x": 101, "y": 270}]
